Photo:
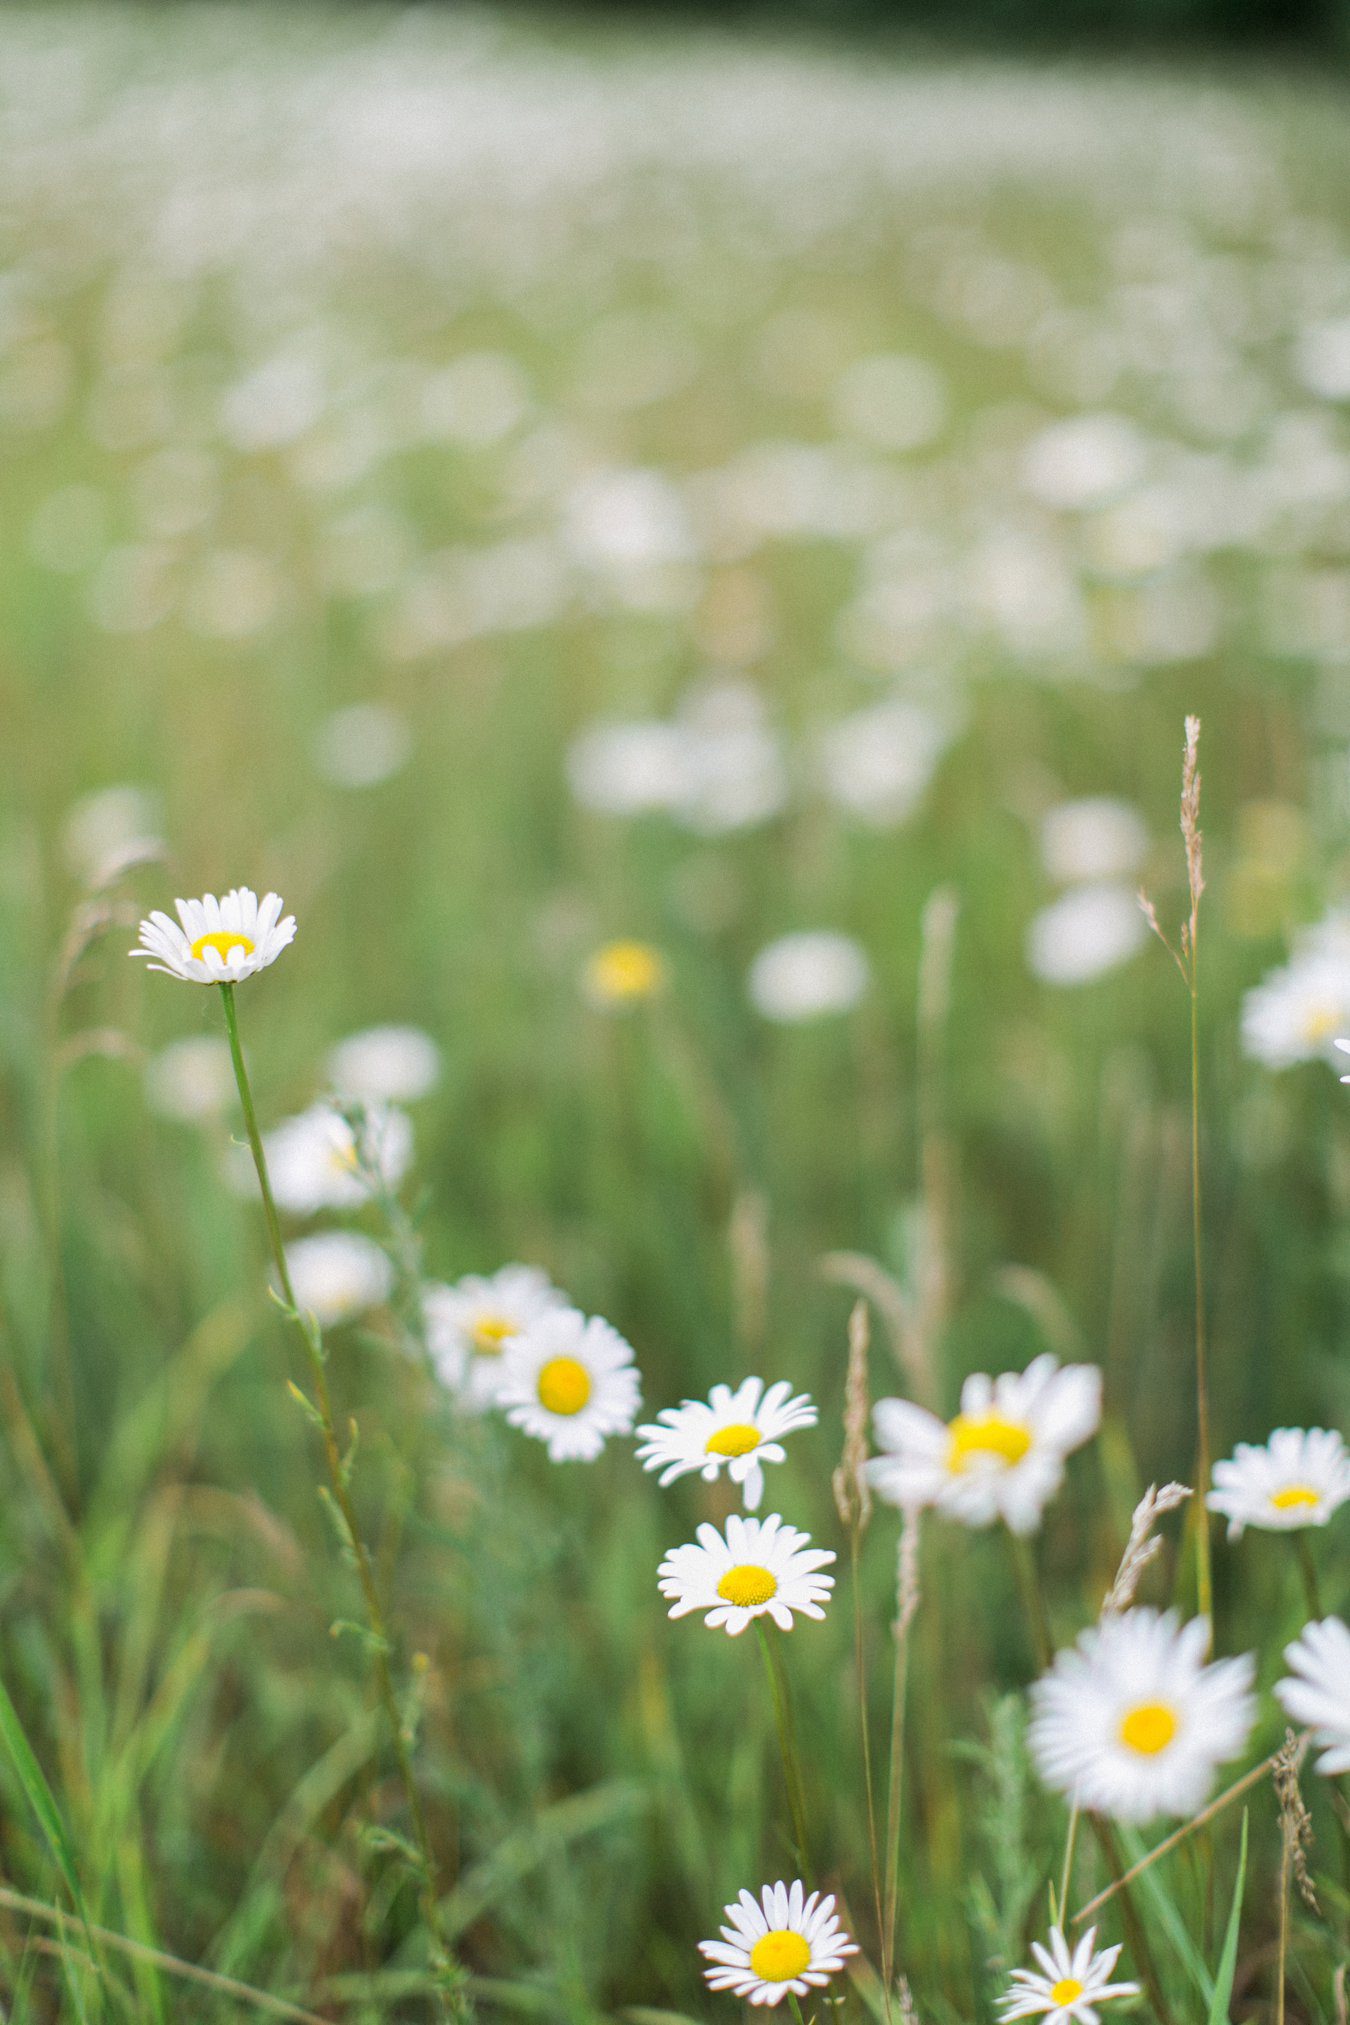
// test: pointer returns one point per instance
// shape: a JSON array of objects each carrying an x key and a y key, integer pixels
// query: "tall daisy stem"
[
  {"x": 906, "y": 1604},
  {"x": 787, "y": 1743},
  {"x": 378, "y": 1640},
  {"x": 1312, "y": 1588},
  {"x": 1203, "y": 1573}
]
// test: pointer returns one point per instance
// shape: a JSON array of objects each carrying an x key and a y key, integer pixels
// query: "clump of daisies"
[
  {"x": 1003, "y": 1454},
  {"x": 1133, "y": 1721},
  {"x": 737, "y": 1430},
  {"x": 756, "y": 1568},
  {"x": 783, "y": 1943},
  {"x": 1067, "y": 1983},
  {"x": 1300, "y": 1477},
  {"x": 471, "y": 1325}
]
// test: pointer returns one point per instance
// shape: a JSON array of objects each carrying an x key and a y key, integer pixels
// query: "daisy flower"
[
  {"x": 738, "y": 1430},
  {"x": 1319, "y": 1692},
  {"x": 1069, "y": 1983},
  {"x": 220, "y": 941},
  {"x": 622, "y": 973},
  {"x": 778, "y": 1944},
  {"x": 1299, "y": 1478},
  {"x": 338, "y": 1275},
  {"x": 1002, "y": 1457},
  {"x": 384, "y": 1065},
  {"x": 758, "y": 1566},
  {"x": 1133, "y": 1722},
  {"x": 570, "y": 1381},
  {"x": 470, "y": 1325},
  {"x": 316, "y": 1161}
]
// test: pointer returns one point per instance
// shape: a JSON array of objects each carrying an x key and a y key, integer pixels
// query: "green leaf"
[
  {"x": 1223, "y": 1982},
  {"x": 41, "y": 1799}
]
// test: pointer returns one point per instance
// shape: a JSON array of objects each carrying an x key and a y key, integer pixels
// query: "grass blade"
[
  {"x": 41, "y": 1799},
  {"x": 1223, "y": 1981}
]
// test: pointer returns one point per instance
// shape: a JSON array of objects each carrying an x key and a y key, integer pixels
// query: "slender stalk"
[
  {"x": 1204, "y": 1577},
  {"x": 865, "y": 1727},
  {"x": 907, "y": 1602},
  {"x": 339, "y": 1490},
  {"x": 787, "y": 1745},
  {"x": 1281, "y": 1968},
  {"x": 1136, "y": 1932},
  {"x": 1066, "y": 1875},
  {"x": 1033, "y": 1598},
  {"x": 1312, "y": 1588}
]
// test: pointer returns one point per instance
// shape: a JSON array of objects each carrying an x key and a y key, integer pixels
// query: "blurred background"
[{"x": 519, "y": 483}]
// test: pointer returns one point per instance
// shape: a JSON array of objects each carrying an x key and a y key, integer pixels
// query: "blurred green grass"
[{"x": 180, "y": 203}]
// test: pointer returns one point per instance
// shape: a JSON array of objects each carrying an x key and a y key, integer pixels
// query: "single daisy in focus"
[
  {"x": 470, "y": 1325},
  {"x": 318, "y": 1161},
  {"x": 1299, "y": 1478},
  {"x": 778, "y": 1944},
  {"x": 736, "y": 1430},
  {"x": 1132, "y": 1721},
  {"x": 1318, "y": 1693},
  {"x": 759, "y": 1566},
  {"x": 624, "y": 973},
  {"x": 570, "y": 1380},
  {"x": 1068, "y": 1984},
  {"x": 338, "y": 1275},
  {"x": 220, "y": 941},
  {"x": 1003, "y": 1455}
]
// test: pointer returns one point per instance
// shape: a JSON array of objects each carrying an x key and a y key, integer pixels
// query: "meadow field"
[{"x": 685, "y": 560}]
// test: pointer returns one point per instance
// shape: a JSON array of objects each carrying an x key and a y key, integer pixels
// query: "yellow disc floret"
[
  {"x": 747, "y": 1585},
  {"x": 737, "y": 1439},
  {"x": 779, "y": 1956},
  {"x": 1067, "y": 1991},
  {"x": 622, "y": 972},
  {"x": 985, "y": 1436},
  {"x": 1149, "y": 1728},
  {"x": 490, "y": 1333},
  {"x": 224, "y": 941},
  {"x": 1294, "y": 1497},
  {"x": 564, "y": 1385}
]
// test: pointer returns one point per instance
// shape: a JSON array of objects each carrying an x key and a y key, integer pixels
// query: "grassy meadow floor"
[{"x": 512, "y": 377}]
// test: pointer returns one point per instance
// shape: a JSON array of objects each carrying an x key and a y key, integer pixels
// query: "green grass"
[{"x": 203, "y": 1763}]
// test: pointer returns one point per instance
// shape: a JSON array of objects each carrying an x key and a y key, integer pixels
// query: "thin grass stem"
[{"x": 787, "y": 1745}]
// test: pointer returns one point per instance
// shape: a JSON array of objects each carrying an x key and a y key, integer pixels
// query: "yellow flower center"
[
  {"x": 1067, "y": 1991},
  {"x": 779, "y": 1956},
  {"x": 490, "y": 1332},
  {"x": 1149, "y": 1728},
  {"x": 973, "y": 1435},
  {"x": 1293, "y": 1496},
  {"x": 223, "y": 941},
  {"x": 623, "y": 971},
  {"x": 1320, "y": 1022},
  {"x": 564, "y": 1385},
  {"x": 738, "y": 1439},
  {"x": 747, "y": 1585}
]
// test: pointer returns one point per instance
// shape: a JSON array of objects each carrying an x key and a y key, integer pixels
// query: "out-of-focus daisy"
[
  {"x": 1095, "y": 838},
  {"x": 876, "y": 763},
  {"x": 624, "y": 973},
  {"x": 781, "y": 1943},
  {"x": 736, "y": 1431},
  {"x": 1087, "y": 932},
  {"x": 570, "y": 1381},
  {"x": 1295, "y": 1014},
  {"x": 338, "y": 1274},
  {"x": 316, "y": 1161},
  {"x": 219, "y": 941},
  {"x": 808, "y": 976},
  {"x": 362, "y": 746},
  {"x": 758, "y": 1566},
  {"x": 109, "y": 829},
  {"x": 628, "y": 769},
  {"x": 1344, "y": 1047},
  {"x": 1002, "y": 1457},
  {"x": 1299, "y": 1478},
  {"x": 1133, "y": 1722},
  {"x": 191, "y": 1079},
  {"x": 384, "y": 1065},
  {"x": 1318, "y": 1692},
  {"x": 1067, "y": 1984},
  {"x": 470, "y": 1325}
]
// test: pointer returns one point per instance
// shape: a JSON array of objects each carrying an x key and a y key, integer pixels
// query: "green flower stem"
[
  {"x": 787, "y": 1744},
  {"x": 1308, "y": 1570},
  {"x": 379, "y": 1642}
]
